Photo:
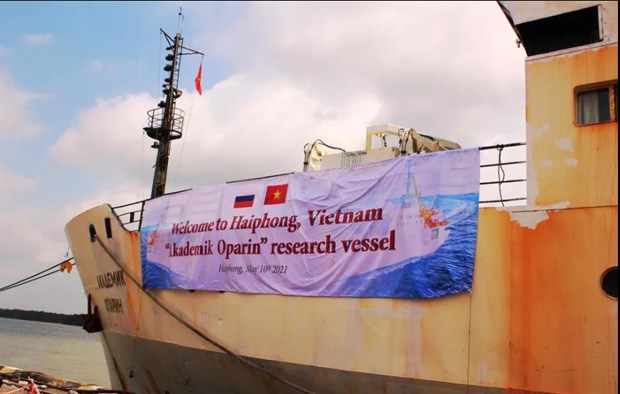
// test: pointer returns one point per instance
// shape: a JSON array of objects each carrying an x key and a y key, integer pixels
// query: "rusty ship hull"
[{"x": 537, "y": 319}]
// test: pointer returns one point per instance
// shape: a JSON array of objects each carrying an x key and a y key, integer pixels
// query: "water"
[
  {"x": 62, "y": 351},
  {"x": 449, "y": 270}
]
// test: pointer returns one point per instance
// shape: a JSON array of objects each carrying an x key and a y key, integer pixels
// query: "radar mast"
[{"x": 165, "y": 123}]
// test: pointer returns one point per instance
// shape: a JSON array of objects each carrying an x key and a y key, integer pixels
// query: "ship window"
[
  {"x": 597, "y": 104},
  {"x": 562, "y": 31},
  {"x": 609, "y": 282}
]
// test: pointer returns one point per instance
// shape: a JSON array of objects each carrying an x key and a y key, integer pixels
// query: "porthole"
[{"x": 609, "y": 282}]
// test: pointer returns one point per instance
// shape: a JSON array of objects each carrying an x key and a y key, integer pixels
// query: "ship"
[{"x": 535, "y": 309}]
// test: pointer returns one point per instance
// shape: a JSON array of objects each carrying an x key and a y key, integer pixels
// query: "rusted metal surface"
[
  {"x": 536, "y": 319},
  {"x": 534, "y": 305},
  {"x": 560, "y": 337}
]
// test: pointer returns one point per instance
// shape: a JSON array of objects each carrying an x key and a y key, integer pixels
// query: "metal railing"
[
  {"x": 502, "y": 181},
  {"x": 155, "y": 128},
  {"x": 130, "y": 215},
  {"x": 503, "y": 174}
]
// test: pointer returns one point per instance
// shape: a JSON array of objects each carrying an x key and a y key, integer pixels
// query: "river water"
[{"x": 62, "y": 351}]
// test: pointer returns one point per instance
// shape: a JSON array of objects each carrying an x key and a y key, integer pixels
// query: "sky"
[{"x": 77, "y": 78}]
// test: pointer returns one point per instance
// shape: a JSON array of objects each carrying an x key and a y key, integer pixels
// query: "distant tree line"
[{"x": 47, "y": 317}]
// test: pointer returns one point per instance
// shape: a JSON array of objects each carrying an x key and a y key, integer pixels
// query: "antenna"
[{"x": 180, "y": 20}]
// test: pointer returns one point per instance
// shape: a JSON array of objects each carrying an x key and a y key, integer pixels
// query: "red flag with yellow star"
[
  {"x": 198, "y": 80},
  {"x": 276, "y": 194}
]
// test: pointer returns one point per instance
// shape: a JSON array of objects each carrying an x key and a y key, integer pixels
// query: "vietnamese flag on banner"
[
  {"x": 198, "y": 80},
  {"x": 276, "y": 194}
]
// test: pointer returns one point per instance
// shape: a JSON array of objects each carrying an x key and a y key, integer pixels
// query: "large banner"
[{"x": 398, "y": 228}]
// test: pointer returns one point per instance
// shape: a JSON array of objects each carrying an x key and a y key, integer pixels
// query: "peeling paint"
[
  {"x": 565, "y": 144},
  {"x": 571, "y": 162},
  {"x": 532, "y": 216},
  {"x": 537, "y": 132},
  {"x": 547, "y": 163}
]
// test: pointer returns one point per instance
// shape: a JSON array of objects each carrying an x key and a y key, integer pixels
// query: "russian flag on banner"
[
  {"x": 244, "y": 201},
  {"x": 276, "y": 194}
]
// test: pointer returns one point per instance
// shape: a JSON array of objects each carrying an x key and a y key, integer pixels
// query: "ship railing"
[
  {"x": 130, "y": 215},
  {"x": 503, "y": 175},
  {"x": 503, "y": 182},
  {"x": 155, "y": 128}
]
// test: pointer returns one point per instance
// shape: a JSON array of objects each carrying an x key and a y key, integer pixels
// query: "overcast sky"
[{"x": 77, "y": 78}]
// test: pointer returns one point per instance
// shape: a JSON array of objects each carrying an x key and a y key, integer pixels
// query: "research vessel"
[{"x": 528, "y": 304}]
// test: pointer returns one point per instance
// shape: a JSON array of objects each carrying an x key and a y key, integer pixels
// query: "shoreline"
[{"x": 44, "y": 317}]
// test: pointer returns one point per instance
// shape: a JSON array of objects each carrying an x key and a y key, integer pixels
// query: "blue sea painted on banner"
[
  {"x": 155, "y": 276},
  {"x": 449, "y": 270}
]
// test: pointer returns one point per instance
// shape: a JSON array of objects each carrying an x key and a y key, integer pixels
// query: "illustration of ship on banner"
[{"x": 395, "y": 269}]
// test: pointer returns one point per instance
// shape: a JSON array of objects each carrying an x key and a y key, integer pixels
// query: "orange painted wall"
[
  {"x": 566, "y": 162},
  {"x": 561, "y": 339},
  {"x": 563, "y": 330}
]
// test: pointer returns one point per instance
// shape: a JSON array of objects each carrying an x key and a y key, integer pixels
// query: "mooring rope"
[
  {"x": 213, "y": 342},
  {"x": 501, "y": 174},
  {"x": 60, "y": 267}
]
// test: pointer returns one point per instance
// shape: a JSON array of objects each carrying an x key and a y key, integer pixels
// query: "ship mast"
[{"x": 166, "y": 121}]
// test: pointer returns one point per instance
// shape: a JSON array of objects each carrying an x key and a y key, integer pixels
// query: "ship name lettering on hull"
[
  {"x": 113, "y": 305},
  {"x": 110, "y": 279}
]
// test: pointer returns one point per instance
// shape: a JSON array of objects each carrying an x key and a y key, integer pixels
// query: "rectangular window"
[
  {"x": 597, "y": 104},
  {"x": 563, "y": 31}
]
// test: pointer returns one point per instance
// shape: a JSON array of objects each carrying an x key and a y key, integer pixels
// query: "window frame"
[{"x": 613, "y": 111}]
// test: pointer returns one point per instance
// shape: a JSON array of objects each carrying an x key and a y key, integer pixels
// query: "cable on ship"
[
  {"x": 500, "y": 170},
  {"x": 213, "y": 342},
  {"x": 65, "y": 265}
]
